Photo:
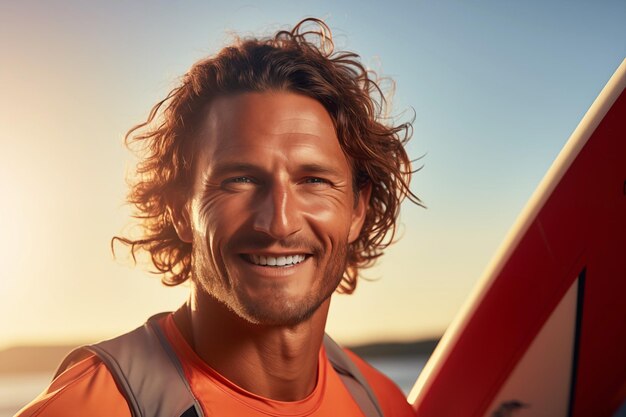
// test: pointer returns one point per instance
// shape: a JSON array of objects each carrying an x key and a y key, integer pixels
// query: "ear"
[
  {"x": 181, "y": 221},
  {"x": 360, "y": 210}
]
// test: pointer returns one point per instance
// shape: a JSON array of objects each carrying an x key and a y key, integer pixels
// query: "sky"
[{"x": 496, "y": 88}]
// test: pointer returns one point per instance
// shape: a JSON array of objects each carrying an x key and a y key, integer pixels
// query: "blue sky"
[{"x": 496, "y": 88}]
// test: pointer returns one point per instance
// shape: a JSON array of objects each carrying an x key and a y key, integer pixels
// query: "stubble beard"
[{"x": 280, "y": 310}]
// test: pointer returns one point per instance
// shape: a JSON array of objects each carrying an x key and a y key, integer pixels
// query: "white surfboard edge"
[{"x": 575, "y": 143}]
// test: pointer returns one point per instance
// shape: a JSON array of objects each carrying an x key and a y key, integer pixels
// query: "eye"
[
  {"x": 238, "y": 182},
  {"x": 316, "y": 181}
]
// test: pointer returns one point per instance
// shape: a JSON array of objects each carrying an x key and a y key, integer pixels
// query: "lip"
[
  {"x": 274, "y": 271},
  {"x": 276, "y": 254}
]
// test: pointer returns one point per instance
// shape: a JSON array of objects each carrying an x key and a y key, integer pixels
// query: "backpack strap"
[
  {"x": 130, "y": 359},
  {"x": 166, "y": 393},
  {"x": 352, "y": 378}
]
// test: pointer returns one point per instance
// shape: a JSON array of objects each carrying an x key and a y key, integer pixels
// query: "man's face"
[{"x": 273, "y": 209}]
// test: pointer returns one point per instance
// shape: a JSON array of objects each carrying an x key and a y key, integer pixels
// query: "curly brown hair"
[{"x": 301, "y": 60}]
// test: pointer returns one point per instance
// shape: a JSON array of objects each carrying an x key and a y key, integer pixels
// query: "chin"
[{"x": 279, "y": 312}]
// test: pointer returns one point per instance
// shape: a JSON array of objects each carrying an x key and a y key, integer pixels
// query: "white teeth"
[{"x": 276, "y": 261}]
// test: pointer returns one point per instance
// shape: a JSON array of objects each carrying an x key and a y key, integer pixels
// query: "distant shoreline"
[
  {"x": 46, "y": 358},
  {"x": 410, "y": 349}
]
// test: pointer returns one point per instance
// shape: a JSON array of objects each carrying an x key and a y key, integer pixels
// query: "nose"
[{"x": 278, "y": 214}]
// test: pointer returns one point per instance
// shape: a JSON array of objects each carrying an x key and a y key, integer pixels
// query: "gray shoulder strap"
[
  {"x": 352, "y": 378},
  {"x": 165, "y": 393}
]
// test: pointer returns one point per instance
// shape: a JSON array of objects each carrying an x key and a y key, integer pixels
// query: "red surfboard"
[{"x": 544, "y": 332}]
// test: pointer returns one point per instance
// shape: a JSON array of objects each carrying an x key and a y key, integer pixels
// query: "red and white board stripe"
[{"x": 501, "y": 350}]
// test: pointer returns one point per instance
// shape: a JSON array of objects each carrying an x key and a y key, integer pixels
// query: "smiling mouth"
[{"x": 275, "y": 261}]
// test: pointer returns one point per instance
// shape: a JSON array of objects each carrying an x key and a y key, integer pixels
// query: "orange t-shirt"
[{"x": 88, "y": 389}]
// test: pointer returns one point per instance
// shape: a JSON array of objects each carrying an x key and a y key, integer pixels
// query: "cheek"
[
  {"x": 214, "y": 221},
  {"x": 329, "y": 217},
  {"x": 219, "y": 210}
]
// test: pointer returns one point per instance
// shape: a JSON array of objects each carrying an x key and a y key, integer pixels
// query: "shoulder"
[
  {"x": 85, "y": 388},
  {"x": 391, "y": 399}
]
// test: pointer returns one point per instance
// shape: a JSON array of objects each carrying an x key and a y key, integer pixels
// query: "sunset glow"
[{"x": 497, "y": 89}]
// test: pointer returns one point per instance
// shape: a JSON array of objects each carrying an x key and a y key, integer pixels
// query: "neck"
[{"x": 277, "y": 362}]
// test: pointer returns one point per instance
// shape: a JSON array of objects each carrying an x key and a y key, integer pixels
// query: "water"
[
  {"x": 403, "y": 371},
  {"x": 18, "y": 390}
]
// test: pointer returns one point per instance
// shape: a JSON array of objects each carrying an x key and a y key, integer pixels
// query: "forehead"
[{"x": 294, "y": 126}]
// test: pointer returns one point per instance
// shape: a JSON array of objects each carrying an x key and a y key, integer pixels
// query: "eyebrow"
[
  {"x": 229, "y": 167},
  {"x": 319, "y": 169}
]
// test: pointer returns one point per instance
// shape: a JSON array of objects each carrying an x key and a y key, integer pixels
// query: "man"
[{"x": 267, "y": 181}]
